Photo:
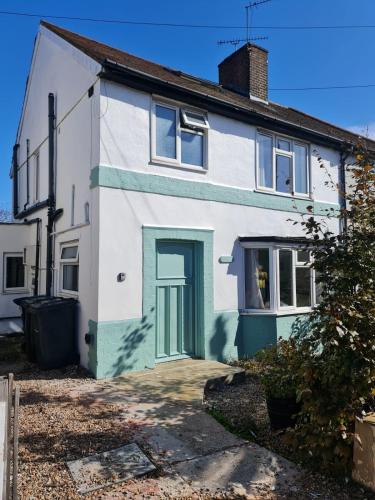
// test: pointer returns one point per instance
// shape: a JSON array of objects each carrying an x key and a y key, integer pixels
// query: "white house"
[{"x": 161, "y": 201}]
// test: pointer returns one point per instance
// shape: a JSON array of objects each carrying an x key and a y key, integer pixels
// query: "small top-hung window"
[{"x": 194, "y": 119}]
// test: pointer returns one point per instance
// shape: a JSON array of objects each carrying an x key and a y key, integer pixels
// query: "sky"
[{"x": 297, "y": 58}]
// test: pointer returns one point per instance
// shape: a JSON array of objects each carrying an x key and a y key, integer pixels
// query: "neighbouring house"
[{"x": 161, "y": 202}]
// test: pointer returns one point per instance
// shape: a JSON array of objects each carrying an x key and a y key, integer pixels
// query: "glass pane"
[
  {"x": 300, "y": 167},
  {"x": 283, "y": 174},
  {"x": 165, "y": 132},
  {"x": 195, "y": 118},
  {"x": 192, "y": 148},
  {"x": 69, "y": 252},
  {"x": 318, "y": 288},
  {"x": 303, "y": 286},
  {"x": 265, "y": 161},
  {"x": 303, "y": 256},
  {"x": 15, "y": 272},
  {"x": 283, "y": 144},
  {"x": 70, "y": 277},
  {"x": 257, "y": 278},
  {"x": 286, "y": 278}
]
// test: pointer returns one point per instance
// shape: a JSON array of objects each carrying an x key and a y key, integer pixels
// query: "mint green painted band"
[{"x": 118, "y": 178}]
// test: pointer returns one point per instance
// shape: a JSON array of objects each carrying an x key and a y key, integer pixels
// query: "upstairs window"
[
  {"x": 179, "y": 136},
  {"x": 14, "y": 272},
  {"x": 282, "y": 165},
  {"x": 69, "y": 268}
]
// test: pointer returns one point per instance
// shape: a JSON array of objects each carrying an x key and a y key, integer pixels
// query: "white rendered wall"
[
  {"x": 125, "y": 143},
  {"x": 121, "y": 243},
  {"x": 59, "y": 68}
]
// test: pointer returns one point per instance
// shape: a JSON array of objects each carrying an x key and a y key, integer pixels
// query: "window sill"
[
  {"x": 284, "y": 195},
  {"x": 15, "y": 291},
  {"x": 178, "y": 166},
  {"x": 289, "y": 312},
  {"x": 67, "y": 294}
]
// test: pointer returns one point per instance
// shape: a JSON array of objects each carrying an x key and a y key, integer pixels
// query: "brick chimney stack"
[{"x": 246, "y": 72}]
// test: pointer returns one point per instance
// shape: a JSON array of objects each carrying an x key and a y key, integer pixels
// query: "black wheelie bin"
[
  {"x": 53, "y": 329},
  {"x": 23, "y": 302}
]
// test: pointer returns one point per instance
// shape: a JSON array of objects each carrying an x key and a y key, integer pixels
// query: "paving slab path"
[{"x": 186, "y": 442}]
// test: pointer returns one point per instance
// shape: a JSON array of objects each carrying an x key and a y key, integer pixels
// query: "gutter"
[
  {"x": 142, "y": 81},
  {"x": 342, "y": 182}
]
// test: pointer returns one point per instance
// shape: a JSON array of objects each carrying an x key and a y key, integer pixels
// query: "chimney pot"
[{"x": 246, "y": 72}]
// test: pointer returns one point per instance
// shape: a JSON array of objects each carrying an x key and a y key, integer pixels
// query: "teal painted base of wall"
[{"x": 122, "y": 346}]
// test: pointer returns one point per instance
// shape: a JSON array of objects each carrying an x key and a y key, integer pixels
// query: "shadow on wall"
[
  {"x": 301, "y": 327},
  {"x": 120, "y": 346},
  {"x": 129, "y": 353},
  {"x": 236, "y": 268},
  {"x": 226, "y": 337}
]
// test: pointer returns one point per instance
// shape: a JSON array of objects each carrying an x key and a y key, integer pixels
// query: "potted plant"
[{"x": 279, "y": 382}]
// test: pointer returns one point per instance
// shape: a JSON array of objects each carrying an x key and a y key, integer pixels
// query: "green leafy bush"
[
  {"x": 276, "y": 369},
  {"x": 335, "y": 378}
]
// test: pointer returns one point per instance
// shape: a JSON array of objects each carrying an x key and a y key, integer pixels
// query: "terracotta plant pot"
[{"x": 282, "y": 412}]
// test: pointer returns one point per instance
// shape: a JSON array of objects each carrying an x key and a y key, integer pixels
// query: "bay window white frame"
[
  {"x": 274, "y": 284},
  {"x": 288, "y": 154},
  {"x": 192, "y": 128}
]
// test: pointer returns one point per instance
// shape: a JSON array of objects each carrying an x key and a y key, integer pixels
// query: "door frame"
[{"x": 203, "y": 239}]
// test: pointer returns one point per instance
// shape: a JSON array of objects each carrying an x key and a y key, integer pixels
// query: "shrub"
[{"x": 335, "y": 378}]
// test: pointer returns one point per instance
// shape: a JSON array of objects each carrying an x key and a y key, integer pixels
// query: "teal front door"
[{"x": 175, "y": 300}]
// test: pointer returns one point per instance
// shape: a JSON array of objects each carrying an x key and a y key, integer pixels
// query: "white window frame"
[
  {"x": 189, "y": 127},
  {"x": 288, "y": 154},
  {"x": 17, "y": 289},
  {"x": 187, "y": 121},
  {"x": 275, "y": 306},
  {"x": 70, "y": 262},
  {"x": 272, "y": 269}
]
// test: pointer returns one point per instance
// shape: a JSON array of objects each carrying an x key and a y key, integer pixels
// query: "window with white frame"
[
  {"x": 14, "y": 272},
  {"x": 279, "y": 279},
  {"x": 282, "y": 165},
  {"x": 179, "y": 135},
  {"x": 69, "y": 267}
]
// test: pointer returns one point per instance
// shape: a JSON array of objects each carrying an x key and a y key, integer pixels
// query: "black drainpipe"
[
  {"x": 27, "y": 174},
  {"x": 342, "y": 183},
  {"x": 37, "y": 252},
  {"x": 51, "y": 191},
  {"x": 15, "y": 179}
]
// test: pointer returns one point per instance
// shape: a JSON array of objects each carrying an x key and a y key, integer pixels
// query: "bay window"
[
  {"x": 282, "y": 165},
  {"x": 279, "y": 279},
  {"x": 257, "y": 278},
  {"x": 179, "y": 136}
]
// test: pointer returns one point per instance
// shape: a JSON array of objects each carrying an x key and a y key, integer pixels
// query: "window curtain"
[{"x": 255, "y": 281}]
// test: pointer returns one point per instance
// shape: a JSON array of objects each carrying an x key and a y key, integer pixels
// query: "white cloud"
[{"x": 367, "y": 130}]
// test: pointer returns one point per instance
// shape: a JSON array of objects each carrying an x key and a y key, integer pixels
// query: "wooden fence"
[{"x": 9, "y": 407}]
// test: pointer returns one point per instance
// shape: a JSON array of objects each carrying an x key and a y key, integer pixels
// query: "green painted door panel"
[{"x": 175, "y": 286}]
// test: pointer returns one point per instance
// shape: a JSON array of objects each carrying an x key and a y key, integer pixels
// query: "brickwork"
[{"x": 246, "y": 71}]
